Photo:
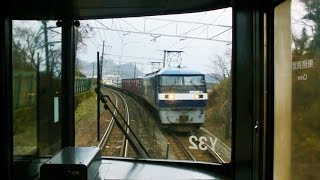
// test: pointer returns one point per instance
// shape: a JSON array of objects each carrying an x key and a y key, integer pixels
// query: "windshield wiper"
[
  {"x": 171, "y": 86},
  {"x": 194, "y": 85}
]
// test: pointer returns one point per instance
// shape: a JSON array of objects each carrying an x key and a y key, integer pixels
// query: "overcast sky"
[
  {"x": 149, "y": 36},
  {"x": 144, "y": 40}
]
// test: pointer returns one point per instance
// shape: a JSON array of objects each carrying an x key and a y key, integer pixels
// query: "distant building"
[{"x": 109, "y": 80}]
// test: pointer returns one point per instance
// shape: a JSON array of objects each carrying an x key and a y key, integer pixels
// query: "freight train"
[{"x": 178, "y": 95}]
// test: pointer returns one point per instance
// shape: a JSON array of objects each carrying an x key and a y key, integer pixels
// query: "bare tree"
[
  {"x": 27, "y": 41},
  {"x": 221, "y": 66}
]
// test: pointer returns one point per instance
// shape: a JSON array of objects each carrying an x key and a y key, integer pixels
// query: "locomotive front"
[{"x": 182, "y": 97}]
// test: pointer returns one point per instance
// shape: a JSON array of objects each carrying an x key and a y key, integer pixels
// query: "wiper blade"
[
  {"x": 171, "y": 86},
  {"x": 194, "y": 85}
]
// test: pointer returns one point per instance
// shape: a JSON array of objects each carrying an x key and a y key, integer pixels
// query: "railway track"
[
  {"x": 179, "y": 145},
  {"x": 200, "y": 145},
  {"x": 116, "y": 139},
  {"x": 113, "y": 142}
]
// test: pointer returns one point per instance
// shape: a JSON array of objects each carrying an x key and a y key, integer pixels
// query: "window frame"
[{"x": 246, "y": 68}]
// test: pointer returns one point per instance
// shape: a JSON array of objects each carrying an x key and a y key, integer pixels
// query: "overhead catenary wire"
[
  {"x": 220, "y": 33},
  {"x": 159, "y": 34},
  {"x": 130, "y": 25},
  {"x": 104, "y": 31},
  {"x": 113, "y": 22},
  {"x": 203, "y": 29},
  {"x": 94, "y": 37},
  {"x": 90, "y": 39},
  {"x": 98, "y": 30}
]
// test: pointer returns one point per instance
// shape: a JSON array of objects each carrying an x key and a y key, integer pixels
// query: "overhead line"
[
  {"x": 113, "y": 22},
  {"x": 192, "y": 28},
  {"x": 219, "y": 25},
  {"x": 203, "y": 29},
  {"x": 220, "y": 33},
  {"x": 137, "y": 57},
  {"x": 90, "y": 39},
  {"x": 94, "y": 38},
  {"x": 99, "y": 32},
  {"x": 160, "y": 27},
  {"x": 158, "y": 34},
  {"x": 131, "y": 25},
  {"x": 104, "y": 32}
]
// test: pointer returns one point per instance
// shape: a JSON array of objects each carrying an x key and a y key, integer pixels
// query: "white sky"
[{"x": 197, "y": 53}]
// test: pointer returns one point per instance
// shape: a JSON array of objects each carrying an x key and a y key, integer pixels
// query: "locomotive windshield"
[{"x": 195, "y": 80}]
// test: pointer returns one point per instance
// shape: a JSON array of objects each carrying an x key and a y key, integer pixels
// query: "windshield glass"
[
  {"x": 189, "y": 88},
  {"x": 194, "y": 80},
  {"x": 171, "y": 80},
  {"x": 182, "y": 80},
  {"x": 167, "y": 85}
]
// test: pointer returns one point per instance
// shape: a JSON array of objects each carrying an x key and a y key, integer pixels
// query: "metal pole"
[
  {"x": 102, "y": 59},
  {"x": 135, "y": 68},
  {"x": 167, "y": 154},
  {"x": 67, "y": 80},
  {"x": 45, "y": 32},
  {"x": 164, "y": 58},
  {"x": 98, "y": 98}
]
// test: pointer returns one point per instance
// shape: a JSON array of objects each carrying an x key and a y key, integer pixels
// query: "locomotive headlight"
[
  {"x": 169, "y": 96},
  {"x": 198, "y": 96}
]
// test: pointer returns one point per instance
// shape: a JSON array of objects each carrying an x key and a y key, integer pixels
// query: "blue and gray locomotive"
[{"x": 178, "y": 94}]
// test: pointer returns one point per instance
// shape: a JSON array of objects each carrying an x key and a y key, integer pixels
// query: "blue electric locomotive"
[{"x": 178, "y": 94}]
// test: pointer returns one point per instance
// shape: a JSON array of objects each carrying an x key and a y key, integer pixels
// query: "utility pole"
[
  {"x": 135, "y": 68},
  {"x": 98, "y": 96},
  {"x": 164, "y": 58},
  {"x": 118, "y": 74},
  {"x": 102, "y": 58},
  {"x": 92, "y": 70},
  {"x": 45, "y": 32}
]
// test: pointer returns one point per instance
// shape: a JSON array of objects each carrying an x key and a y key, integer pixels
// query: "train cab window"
[
  {"x": 296, "y": 141},
  {"x": 36, "y": 61},
  {"x": 300, "y": 68},
  {"x": 194, "y": 80},
  {"x": 171, "y": 80},
  {"x": 168, "y": 77}
]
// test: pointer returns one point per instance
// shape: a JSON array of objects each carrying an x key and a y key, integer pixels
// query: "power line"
[
  {"x": 203, "y": 30},
  {"x": 103, "y": 24},
  {"x": 134, "y": 57},
  {"x": 160, "y": 27},
  {"x": 131, "y": 25},
  {"x": 193, "y": 27},
  {"x": 94, "y": 37},
  {"x": 117, "y": 30},
  {"x": 207, "y": 24},
  {"x": 160, "y": 34},
  {"x": 104, "y": 32},
  {"x": 98, "y": 31},
  {"x": 90, "y": 39},
  {"x": 220, "y": 33}
]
